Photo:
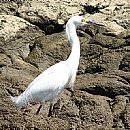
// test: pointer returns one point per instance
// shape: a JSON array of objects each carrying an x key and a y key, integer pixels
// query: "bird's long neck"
[{"x": 73, "y": 59}]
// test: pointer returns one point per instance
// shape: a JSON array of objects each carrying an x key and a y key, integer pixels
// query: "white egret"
[{"x": 49, "y": 84}]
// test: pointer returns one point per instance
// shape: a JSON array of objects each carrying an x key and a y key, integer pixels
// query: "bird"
[{"x": 50, "y": 83}]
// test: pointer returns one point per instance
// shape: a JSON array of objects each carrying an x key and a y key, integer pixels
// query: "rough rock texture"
[{"x": 101, "y": 97}]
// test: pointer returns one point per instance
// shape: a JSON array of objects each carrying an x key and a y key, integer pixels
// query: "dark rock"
[
  {"x": 125, "y": 63},
  {"x": 103, "y": 84},
  {"x": 100, "y": 100},
  {"x": 48, "y": 50},
  {"x": 108, "y": 41},
  {"x": 126, "y": 116},
  {"x": 93, "y": 109},
  {"x": 39, "y": 19},
  {"x": 93, "y": 29}
]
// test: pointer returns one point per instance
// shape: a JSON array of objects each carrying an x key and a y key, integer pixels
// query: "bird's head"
[{"x": 79, "y": 20}]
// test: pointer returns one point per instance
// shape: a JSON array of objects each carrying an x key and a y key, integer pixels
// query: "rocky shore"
[{"x": 32, "y": 38}]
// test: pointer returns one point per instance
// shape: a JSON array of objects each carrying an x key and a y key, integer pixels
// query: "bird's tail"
[
  {"x": 18, "y": 102},
  {"x": 14, "y": 99}
]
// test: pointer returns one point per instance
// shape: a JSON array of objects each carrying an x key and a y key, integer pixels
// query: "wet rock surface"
[{"x": 101, "y": 97}]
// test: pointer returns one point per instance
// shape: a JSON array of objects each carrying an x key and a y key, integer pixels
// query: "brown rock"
[{"x": 100, "y": 100}]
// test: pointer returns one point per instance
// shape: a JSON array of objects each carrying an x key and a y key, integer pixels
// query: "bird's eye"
[{"x": 84, "y": 20}]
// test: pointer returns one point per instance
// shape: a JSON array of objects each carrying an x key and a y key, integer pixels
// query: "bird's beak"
[
  {"x": 90, "y": 22},
  {"x": 85, "y": 21}
]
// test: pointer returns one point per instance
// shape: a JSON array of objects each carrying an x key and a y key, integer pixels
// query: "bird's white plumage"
[
  {"x": 49, "y": 84},
  {"x": 46, "y": 86}
]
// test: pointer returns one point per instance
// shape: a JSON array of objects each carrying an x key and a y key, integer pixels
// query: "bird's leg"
[
  {"x": 38, "y": 110},
  {"x": 51, "y": 107},
  {"x": 50, "y": 110}
]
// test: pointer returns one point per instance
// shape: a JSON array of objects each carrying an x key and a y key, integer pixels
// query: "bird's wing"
[
  {"x": 58, "y": 68},
  {"x": 49, "y": 83}
]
